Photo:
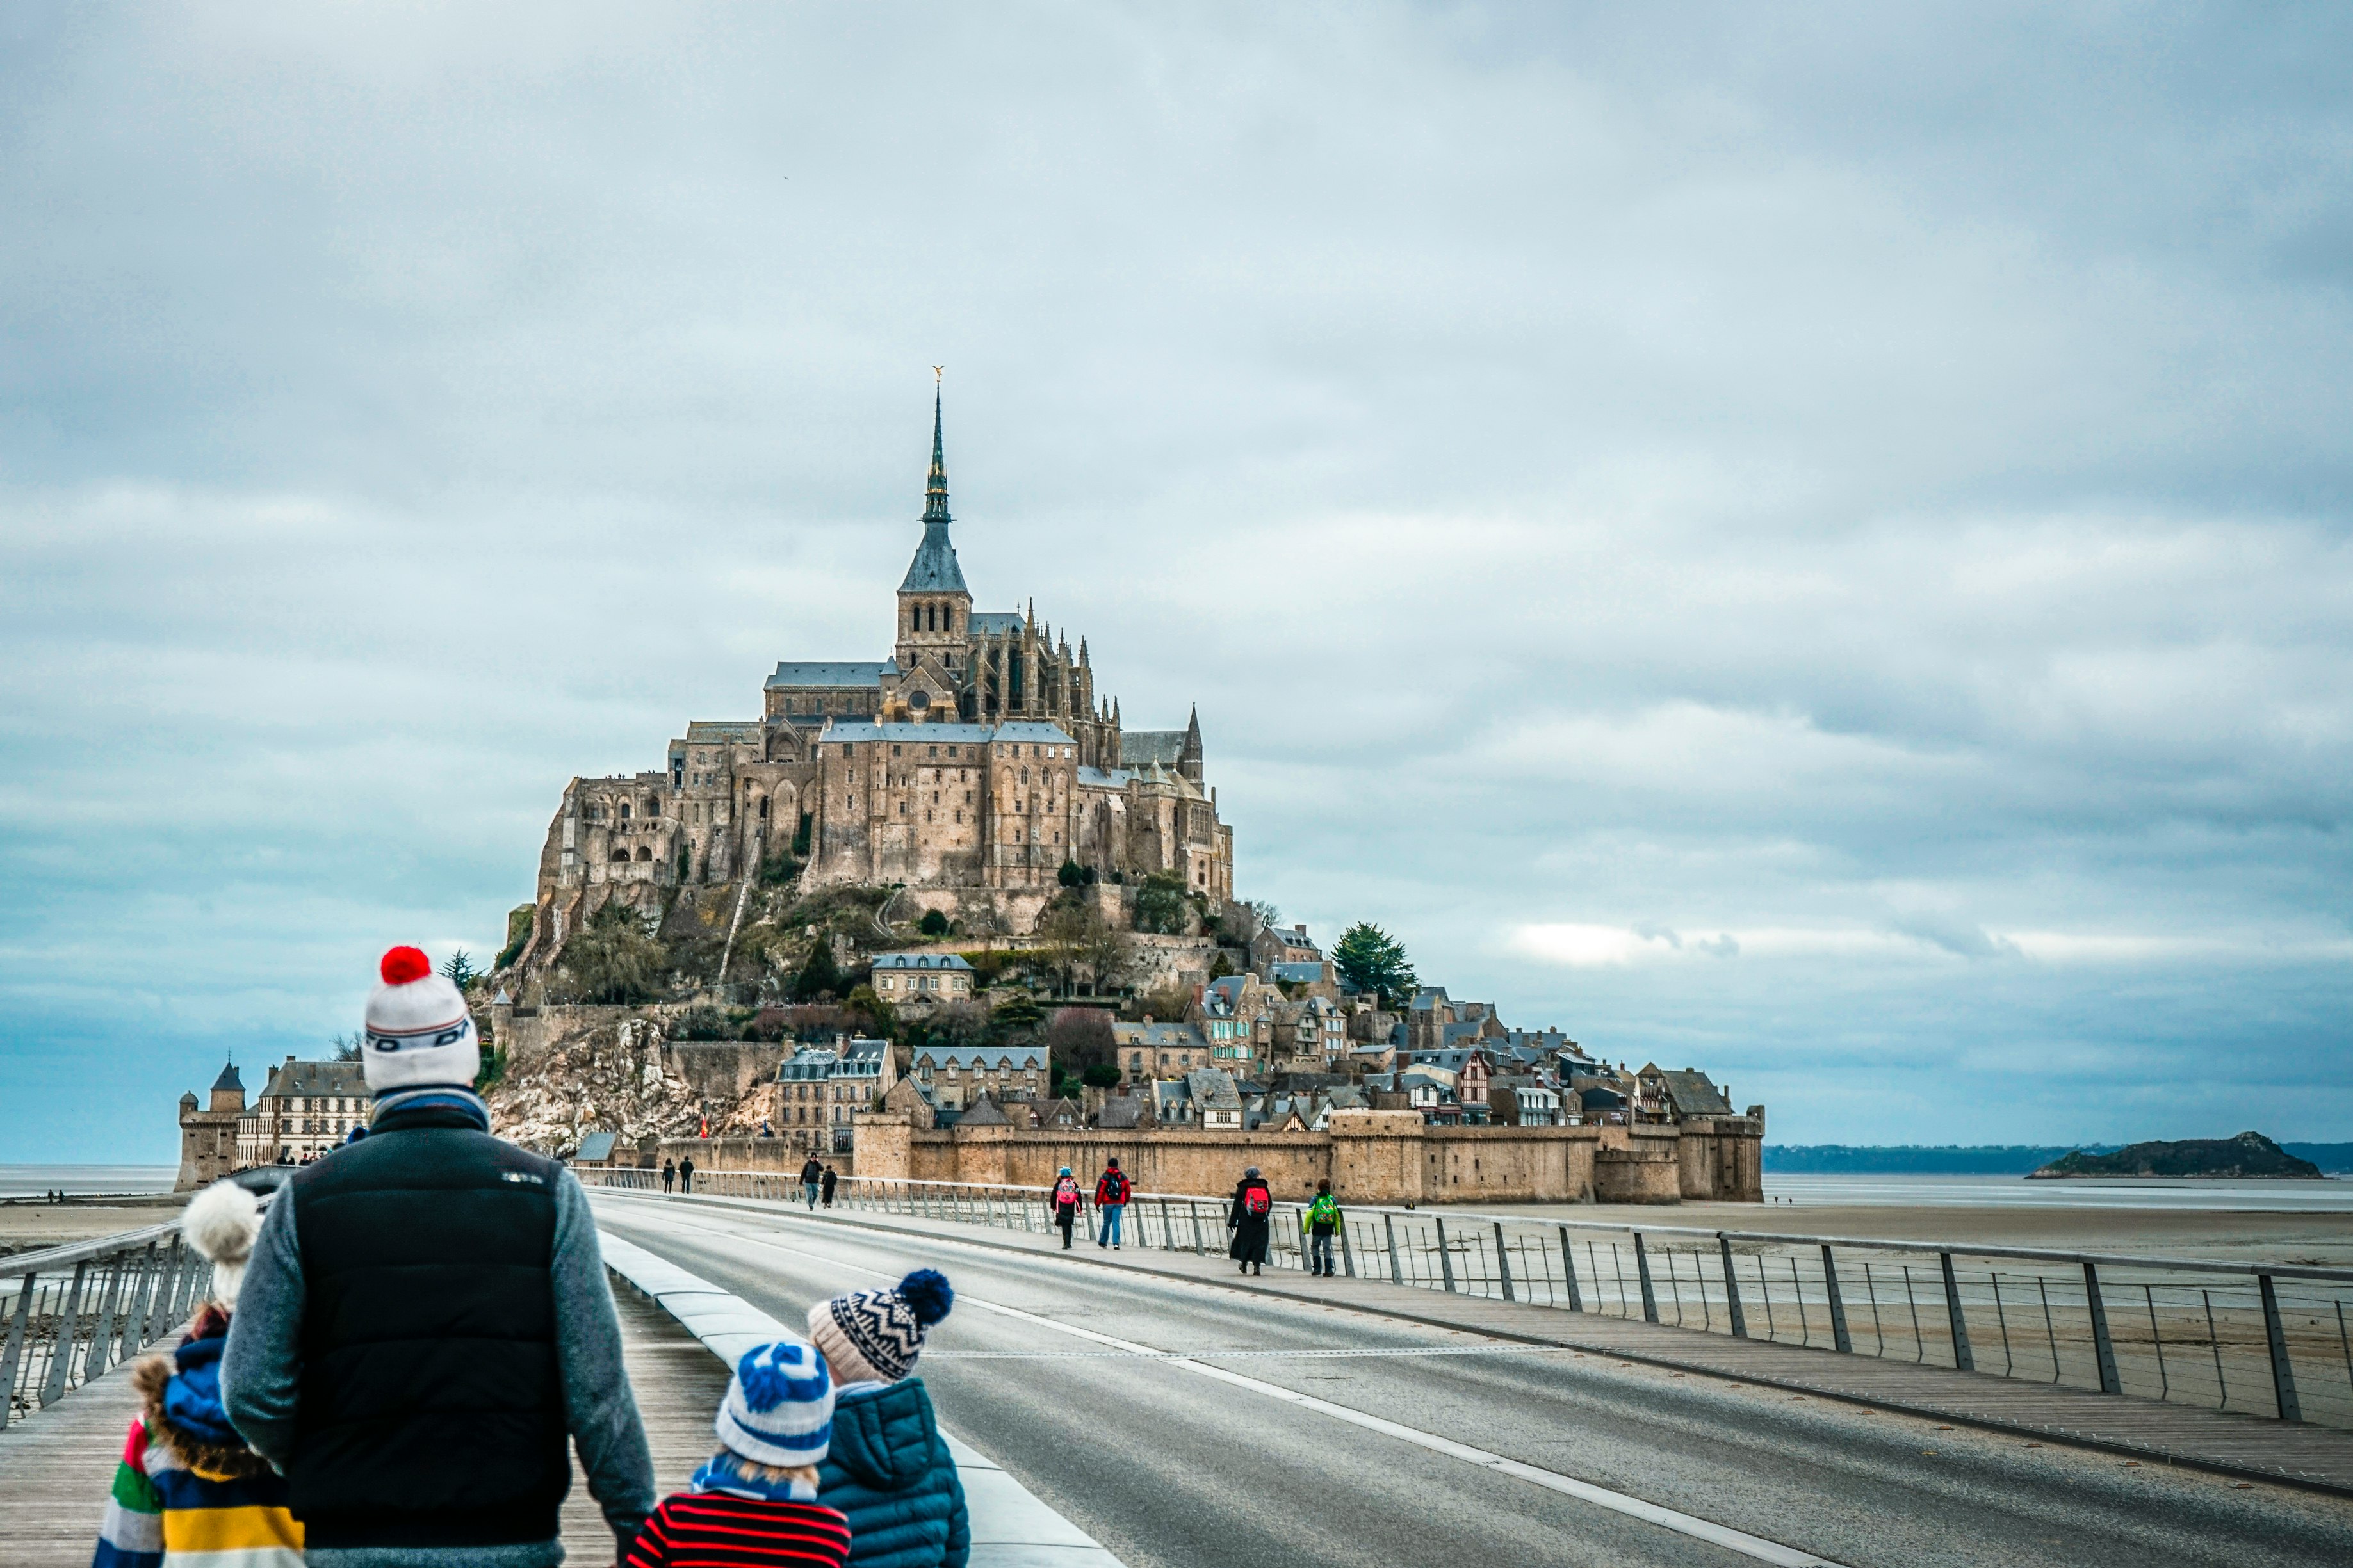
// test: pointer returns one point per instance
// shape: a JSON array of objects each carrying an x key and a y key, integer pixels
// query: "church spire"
[{"x": 935, "y": 493}]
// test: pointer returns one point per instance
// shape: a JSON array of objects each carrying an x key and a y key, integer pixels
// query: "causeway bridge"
[{"x": 1468, "y": 1391}]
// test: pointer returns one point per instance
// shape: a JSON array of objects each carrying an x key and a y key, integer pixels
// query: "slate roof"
[
  {"x": 895, "y": 960},
  {"x": 1211, "y": 1088},
  {"x": 596, "y": 1146},
  {"x": 850, "y": 732},
  {"x": 711, "y": 732},
  {"x": 1176, "y": 1037},
  {"x": 934, "y": 570},
  {"x": 976, "y": 1057},
  {"x": 1140, "y": 747},
  {"x": 1297, "y": 974},
  {"x": 1347, "y": 1096},
  {"x": 806, "y": 1066},
  {"x": 983, "y": 1113},
  {"x": 316, "y": 1080},
  {"x": 1694, "y": 1094},
  {"x": 1121, "y": 1114},
  {"x": 1103, "y": 778},
  {"x": 228, "y": 1079},
  {"x": 831, "y": 674},
  {"x": 991, "y": 622}
]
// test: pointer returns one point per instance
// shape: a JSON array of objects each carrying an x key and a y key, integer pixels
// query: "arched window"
[
  {"x": 621, "y": 853},
  {"x": 645, "y": 853},
  {"x": 764, "y": 808}
]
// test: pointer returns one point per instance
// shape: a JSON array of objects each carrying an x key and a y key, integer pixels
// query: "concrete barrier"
[{"x": 1011, "y": 1527}]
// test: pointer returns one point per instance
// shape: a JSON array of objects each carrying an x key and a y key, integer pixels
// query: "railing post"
[
  {"x": 15, "y": 1351},
  {"x": 101, "y": 1328},
  {"x": 62, "y": 1358},
  {"x": 1388, "y": 1229},
  {"x": 1731, "y": 1288},
  {"x": 1347, "y": 1258},
  {"x": 1198, "y": 1250},
  {"x": 1964, "y": 1359},
  {"x": 159, "y": 1301},
  {"x": 2276, "y": 1333},
  {"x": 1445, "y": 1257},
  {"x": 134, "y": 1315},
  {"x": 1642, "y": 1269},
  {"x": 1839, "y": 1335},
  {"x": 2103, "y": 1349},
  {"x": 1569, "y": 1273},
  {"x": 1504, "y": 1262}
]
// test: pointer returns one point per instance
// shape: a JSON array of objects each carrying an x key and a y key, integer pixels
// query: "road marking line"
[
  {"x": 1738, "y": 1541},
  {"x": 1245, "y": 1355}
]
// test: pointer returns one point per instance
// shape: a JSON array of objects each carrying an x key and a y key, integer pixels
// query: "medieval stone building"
[{"x": 970, "y": 765}]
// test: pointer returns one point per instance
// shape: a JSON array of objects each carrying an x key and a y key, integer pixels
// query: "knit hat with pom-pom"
[
  {"x": 779, "y": 1406},
  {"x": 220, "y": 1224},
  {"x": 419, "y": 1031},
  {"x": 874, "y": 1336}
]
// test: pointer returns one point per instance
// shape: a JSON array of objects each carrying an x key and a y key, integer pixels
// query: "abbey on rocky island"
[{"x": 969, "y": 766}]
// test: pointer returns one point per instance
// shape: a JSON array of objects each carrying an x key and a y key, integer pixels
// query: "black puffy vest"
[{"x": 432, "y": 1400}]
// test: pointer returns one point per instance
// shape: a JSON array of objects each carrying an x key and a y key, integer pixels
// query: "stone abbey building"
[{"x": 969, "y": 765}]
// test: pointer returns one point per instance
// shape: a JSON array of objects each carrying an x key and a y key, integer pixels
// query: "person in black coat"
[{"x": 1252, "y": 1220}]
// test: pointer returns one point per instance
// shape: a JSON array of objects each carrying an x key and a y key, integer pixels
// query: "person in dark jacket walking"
[
  {"x": 670, "y": 1174},
  {"x": 1065, "y": 1200},
  {"x": 825, "y": 1188},
  {"x": 1252, "y": 1220},
  {"x": 424, "y": 1329},
  {"x": 889, "y": 1469},
  {"x": 812, "y": 1179},
  {"x": 686, "y": 1175}
]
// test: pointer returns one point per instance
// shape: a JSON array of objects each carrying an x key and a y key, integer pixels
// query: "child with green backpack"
[{"x": 1321, "y": 1222}]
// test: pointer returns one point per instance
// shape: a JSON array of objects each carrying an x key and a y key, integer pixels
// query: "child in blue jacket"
[{"x": 888, "y": 1467}]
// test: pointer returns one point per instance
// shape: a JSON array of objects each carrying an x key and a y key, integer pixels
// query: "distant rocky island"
[{"x": 2249, "y": 1155}]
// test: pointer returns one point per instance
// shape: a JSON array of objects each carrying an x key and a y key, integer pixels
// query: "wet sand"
[
  {"x": 2317, "y": 1238},
  {"x": 27, "y": 1225}
]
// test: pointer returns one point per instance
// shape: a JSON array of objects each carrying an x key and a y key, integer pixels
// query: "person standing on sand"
[
  {"x": 424, "y": 1332},
  {"x": 1252, "y": 1219}
]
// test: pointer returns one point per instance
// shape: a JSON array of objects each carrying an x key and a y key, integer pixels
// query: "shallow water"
[
  {"x": 31, "y": 1180},
  {"x": 2323, "y": 1196}
]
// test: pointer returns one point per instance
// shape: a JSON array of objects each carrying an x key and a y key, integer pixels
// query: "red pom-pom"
[{"x": 403, "y": 964}]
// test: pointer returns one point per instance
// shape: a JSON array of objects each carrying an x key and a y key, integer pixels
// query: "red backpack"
[
  {"x": 1256, "y": 1201},
  {"x": 1066, "y": 1191}
]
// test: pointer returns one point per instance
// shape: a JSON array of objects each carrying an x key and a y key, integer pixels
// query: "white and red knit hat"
[{"x": 419, "y": 1031}]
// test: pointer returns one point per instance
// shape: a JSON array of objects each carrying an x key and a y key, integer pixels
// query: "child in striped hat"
[{"x": 756, "y": 1502}]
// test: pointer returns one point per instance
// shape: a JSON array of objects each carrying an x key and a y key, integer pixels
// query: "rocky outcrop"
[{"x": 2249, "y": 1155}]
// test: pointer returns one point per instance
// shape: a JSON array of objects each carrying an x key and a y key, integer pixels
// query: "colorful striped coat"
[{"x": 188, "y": 1493}]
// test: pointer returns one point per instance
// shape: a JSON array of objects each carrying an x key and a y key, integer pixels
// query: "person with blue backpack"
[{"x": 1252, "y": 1220}]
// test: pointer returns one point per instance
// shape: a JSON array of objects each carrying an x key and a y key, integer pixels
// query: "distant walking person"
[
  {"x": 1066, "y": 1204},
  {"x": 670, "y": 1174},
  {"x": 812, "y": 1180},
  {"x": 1112, "y": 1192},
  {"x": 1321, "y": 1222},
  {"x": 1252, "y": 1220},
  {"x": 424, "y": 1334},
  {"x": 825, "y": 1188},
  {"x": 686, "y": 1175}
]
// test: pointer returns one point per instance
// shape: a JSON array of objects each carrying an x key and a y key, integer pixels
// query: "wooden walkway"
[
  {"x": 55, "y": 1466},
  {"x": 2234, "y": 1444}
]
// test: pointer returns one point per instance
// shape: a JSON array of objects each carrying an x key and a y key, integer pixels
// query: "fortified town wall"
[{"x": 1370, "y": 1156}]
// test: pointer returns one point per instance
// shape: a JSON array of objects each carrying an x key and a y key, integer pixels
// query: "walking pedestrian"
[
  {"x": 1321, "y": 1222},
  {"x": 812, "y": 1180},
  {"x": 1112, "y": 1192},
  {"x": 1252, "y": 1221},
  {"x": 425, "y": 1330},
  {"x": 825, "y": 1187},
  {"x": 754, "y": 1504},
  {"x": 888, "y": 1467},
  {"x": 1066, "y": 1204},
  {"x": 686, "y": 1175},
  {"x": 670, "y": 1174},
  {"x": 186, "y": 1477}
]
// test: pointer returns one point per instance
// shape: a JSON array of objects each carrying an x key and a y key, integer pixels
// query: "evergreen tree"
[{"x": 1369, "y": 959}]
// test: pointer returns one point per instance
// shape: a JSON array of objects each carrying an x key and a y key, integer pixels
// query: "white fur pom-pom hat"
[{"x": 221, "y": 1223}]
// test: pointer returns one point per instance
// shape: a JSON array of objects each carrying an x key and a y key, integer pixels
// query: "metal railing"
[
  {"x": 68, "y": 1313},
  {"x": 2271, "y": 1340}
]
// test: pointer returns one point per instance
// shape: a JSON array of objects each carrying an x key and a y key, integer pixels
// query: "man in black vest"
[{"x": 425, "y": 1322}]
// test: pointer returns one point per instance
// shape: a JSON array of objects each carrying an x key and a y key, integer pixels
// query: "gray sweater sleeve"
[
  {"x": 262, "y": 1367},
  {"x": 598, "y": 1404}
]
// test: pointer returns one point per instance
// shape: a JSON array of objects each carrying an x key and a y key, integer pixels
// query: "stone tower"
[
  {"x": 208, "y": 1137},
  {"x": 935, "y": 605}
]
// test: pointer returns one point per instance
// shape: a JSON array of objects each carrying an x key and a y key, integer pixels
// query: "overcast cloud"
[{"x": 1809, "y": 545}]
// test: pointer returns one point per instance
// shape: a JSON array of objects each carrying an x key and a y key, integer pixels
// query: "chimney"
[{"x": 1301, "y": 930}]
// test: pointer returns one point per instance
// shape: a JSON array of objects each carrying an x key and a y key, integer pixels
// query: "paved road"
[{"x": 1173, "y": 1463}]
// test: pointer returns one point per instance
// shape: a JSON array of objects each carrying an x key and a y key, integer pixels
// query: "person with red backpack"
[
  {"x": 1110, "y": 1201},
  {"x": 1252, "y": 1222},
  {"x": 1066, "y": 1204}
]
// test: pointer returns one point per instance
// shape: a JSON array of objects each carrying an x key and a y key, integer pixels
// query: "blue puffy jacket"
[{"x": 890, "y": 1470}]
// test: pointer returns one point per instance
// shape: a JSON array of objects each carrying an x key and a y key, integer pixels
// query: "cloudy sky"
[{"x": 1813, "y": 545}]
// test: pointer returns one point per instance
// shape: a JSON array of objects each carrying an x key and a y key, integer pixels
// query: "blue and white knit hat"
[
  {"x": 779, "y": 1406},
  {"x": 874, "y": 1336}
]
